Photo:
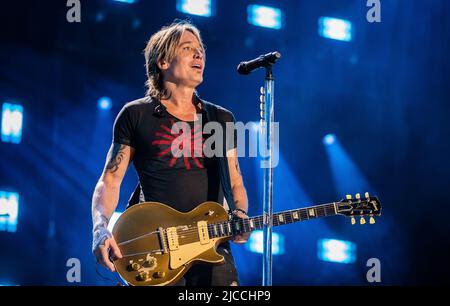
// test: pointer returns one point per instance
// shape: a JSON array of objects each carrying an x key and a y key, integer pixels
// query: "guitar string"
[
  {"x": 246, "y": 222},
  {"x": 194, "y": 230},
  {"x": 143, "y": 253},
  {"x": 138, "y": 237},
  {"x": 260, "y": 218},
  {"x": 192, "y": 233}
]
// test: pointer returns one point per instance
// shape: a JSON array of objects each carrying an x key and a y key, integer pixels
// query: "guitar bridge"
[{"x": 162, "y": 240}]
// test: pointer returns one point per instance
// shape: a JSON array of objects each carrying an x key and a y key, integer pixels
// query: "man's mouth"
[{"x": 197, "y": 66}]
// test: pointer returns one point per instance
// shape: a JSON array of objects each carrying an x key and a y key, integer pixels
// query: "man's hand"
[
  {"x": 101, "y": 251},
  {"x": 241, "y": 238}
]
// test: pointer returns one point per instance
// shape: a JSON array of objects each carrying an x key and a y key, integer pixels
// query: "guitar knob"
[
  {"x": 149, "y": 263},
  {"x": 353, "y": 221},
  {"x": 362, "y": 221},
  {"x": 366, "y": 195},
  {"x": 358, "y": 196},
  {"x": 372, "y": 220},
  {"x": 143, "y": 276},
  {"x": 159, "y": 274},
  {"x": 135, "y": 266},
  {"x": 348, "y": 197}
]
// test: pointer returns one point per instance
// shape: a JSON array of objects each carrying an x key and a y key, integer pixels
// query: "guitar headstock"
[{"x": 359, "y": 207}]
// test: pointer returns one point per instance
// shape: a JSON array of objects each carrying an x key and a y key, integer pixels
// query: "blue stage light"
[
  {"x": 195, "y": 7},
  {"x": 334, "y": 28},
  {"x": 115, "y": 216},
  {"x": 264, "y": 16},
  {"x": 339, "y": 251},
  {"x": 329, "y": 139},
  {"x": 104, "y": 103},
  {"x": 126, "y": 1},
  {"x": 12, "y": 119},
  {"x": 342, "y": 165},
  {"x": 9, "y": 211},
  {"x": 256, "y": 242}
]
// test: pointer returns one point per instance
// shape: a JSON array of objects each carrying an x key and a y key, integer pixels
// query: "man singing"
[{"x": 175, "y": 61}]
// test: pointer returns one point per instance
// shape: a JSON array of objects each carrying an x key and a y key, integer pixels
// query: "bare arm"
[
  {"x": 105, "y": 199},
  {"x": 238, "y": 190}
]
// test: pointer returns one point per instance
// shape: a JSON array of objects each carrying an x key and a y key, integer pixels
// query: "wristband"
[{"x": 241, "y": 210}]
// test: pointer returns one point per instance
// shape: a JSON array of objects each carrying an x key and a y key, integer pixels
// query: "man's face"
[{"x": 188, "y": 63}]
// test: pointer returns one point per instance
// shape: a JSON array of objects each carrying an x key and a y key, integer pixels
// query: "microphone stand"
[
  {"x": 267, "y": 119},
  {"x": 266, "y": 129}
]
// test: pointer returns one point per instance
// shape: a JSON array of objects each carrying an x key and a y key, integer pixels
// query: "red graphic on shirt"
[{"x": 190, "y": 152}]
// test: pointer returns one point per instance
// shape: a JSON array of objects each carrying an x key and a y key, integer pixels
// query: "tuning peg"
[
  {"x": 372, "y": 220},
  {"x": 349, "y": 197},
  {"x": 261, "y": 90},
  {"x": 353, "y": 221},
  {"x": 358, "y": 196},
  {"x": 366, "y": 195},
  {"x": 362, "y": 221}
]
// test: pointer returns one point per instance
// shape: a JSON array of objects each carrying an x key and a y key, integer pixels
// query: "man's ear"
[{"x": 163, "y": 65}]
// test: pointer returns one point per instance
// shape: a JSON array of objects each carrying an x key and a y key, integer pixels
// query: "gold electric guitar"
[{"x": 159, "y": 244}]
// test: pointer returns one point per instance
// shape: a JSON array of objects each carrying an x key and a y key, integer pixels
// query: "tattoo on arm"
[
  {"x": 102, "y": 222},
  {"x": 100, "y": 231},
  {"x": 115, "y": 157}
]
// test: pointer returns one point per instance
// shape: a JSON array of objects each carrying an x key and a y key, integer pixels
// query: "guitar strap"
[{"x": 224, "y": 173}]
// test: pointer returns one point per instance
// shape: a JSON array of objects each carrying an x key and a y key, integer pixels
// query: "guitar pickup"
[
  {"x": 172, "y": 238},
  {"x": 203, "y": 232}
]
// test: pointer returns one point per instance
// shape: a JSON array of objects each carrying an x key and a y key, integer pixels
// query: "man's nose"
[{"x": 198, "y": 53}]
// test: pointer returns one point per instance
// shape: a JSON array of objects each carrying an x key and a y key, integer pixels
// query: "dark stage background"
[{"x": 384, "y": 95}]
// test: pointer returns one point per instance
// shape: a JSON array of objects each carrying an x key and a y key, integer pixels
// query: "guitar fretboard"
[{"x": 238, "y": 226}]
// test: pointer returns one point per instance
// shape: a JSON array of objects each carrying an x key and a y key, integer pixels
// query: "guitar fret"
[
  {"x": 210, "y": 232},
  {"x": 234, "y": 227},
  {"x": 319, "y": 211},
  {"x": 260, "y": 223},
  {"x": 304, "y": 214},
  {"x": 291, "y": 218}
]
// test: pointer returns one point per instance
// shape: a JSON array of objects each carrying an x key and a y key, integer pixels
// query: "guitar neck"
[{"x": 238, "y": 226}]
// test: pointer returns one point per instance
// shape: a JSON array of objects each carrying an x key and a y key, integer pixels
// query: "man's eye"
[{"x": 187, "y": 48}]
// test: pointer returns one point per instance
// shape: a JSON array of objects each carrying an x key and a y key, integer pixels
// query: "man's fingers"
[
  {"x": 115, "y": 248},
  {"x": 105, "y": 258},
  {"x": 239, "y": 239}
]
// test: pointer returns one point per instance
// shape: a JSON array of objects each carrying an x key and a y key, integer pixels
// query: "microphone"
[{"x": 261, "y": 61}]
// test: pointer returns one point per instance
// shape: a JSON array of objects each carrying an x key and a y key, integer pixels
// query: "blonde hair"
[{"x": 162, "y": 46}]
